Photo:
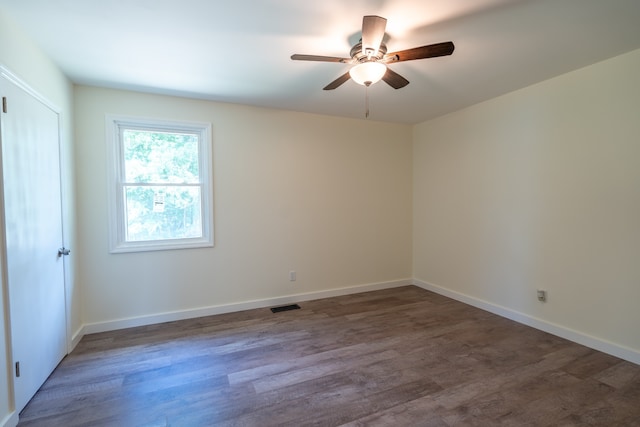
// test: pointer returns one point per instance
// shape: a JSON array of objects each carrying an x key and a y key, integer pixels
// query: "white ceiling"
[{"x": 239, "y": 51}]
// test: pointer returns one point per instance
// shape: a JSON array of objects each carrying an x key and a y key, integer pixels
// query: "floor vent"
[{"x": 285, "y": 308}]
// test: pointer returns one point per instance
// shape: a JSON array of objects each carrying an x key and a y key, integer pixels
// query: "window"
[{"x": 160, "y": 192}]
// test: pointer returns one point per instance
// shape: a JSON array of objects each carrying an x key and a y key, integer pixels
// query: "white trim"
[
  {"x": 130, "y": 322},
  {"x": 13, "y": 78},
  {"x": 599, "y": 344},
  {"x": 76, "y": 337},
  {"x": 10, "y": 420}
]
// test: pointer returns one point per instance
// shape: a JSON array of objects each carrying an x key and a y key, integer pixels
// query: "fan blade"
[
  {"x": 394, "y": 79},
  {"x": 337, "y": 82},
  {"x": 429, "y": 51},
  {"x": 298, "y": 57},
  {"x": 372, "y": 33}
]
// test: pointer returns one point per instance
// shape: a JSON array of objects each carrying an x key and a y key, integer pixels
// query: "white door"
[{"x": 29, "y": 135}]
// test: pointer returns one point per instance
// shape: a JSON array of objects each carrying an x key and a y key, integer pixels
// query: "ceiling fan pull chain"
[{"x": 366, "y": 101}]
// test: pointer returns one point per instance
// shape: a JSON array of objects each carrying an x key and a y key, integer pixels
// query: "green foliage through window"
[
  {"x": 160, "y": 157},
  {"x": 155, "y": 210}
]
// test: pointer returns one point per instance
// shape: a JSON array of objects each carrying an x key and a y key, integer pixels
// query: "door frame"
[{"x": 12, "y": 78}]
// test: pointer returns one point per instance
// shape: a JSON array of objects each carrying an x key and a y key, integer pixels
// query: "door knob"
[{"x": 63, "y": 251}]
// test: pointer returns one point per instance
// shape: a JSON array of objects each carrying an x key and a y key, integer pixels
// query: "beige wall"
[
  {"x": 539, "y": 188},
  {"x": 327, "y": 197},
  {"x": 21, "y": 57}
]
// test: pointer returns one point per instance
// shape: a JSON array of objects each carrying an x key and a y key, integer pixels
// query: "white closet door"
[{"x": 33, "y": 236}]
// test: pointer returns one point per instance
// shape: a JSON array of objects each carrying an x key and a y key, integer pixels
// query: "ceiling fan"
[{"x": 369, "y": 57}]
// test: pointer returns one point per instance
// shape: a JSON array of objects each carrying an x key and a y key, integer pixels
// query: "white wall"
[
  {"x": 20, "y": 56},
  {"x": 539, "y": 188},
  {"x": 327, "y": 197}
]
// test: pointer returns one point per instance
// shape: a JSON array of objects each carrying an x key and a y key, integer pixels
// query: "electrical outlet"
[
  {"x": 542, "y": 295},
  {"x": 292, "y": 276}
]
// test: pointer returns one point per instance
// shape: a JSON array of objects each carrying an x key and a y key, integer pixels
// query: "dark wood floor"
[{"x": 397, "y": 357}]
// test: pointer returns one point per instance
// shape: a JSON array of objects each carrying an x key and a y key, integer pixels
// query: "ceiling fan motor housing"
[{"x": 358, "y": 55}]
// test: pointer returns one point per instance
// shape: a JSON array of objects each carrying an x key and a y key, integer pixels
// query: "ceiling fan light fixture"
[{"x": 368, "y": 73}]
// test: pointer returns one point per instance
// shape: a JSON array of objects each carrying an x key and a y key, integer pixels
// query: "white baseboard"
[
  {"x": 75, "y": 338},
  {"x": 604, "y": 346},
  {"x": 112, "y": 325},
  {"x": 11, "y": 420}
]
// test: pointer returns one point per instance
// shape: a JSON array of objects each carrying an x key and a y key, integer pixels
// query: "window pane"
[
  {"x": 161, "y": 173},
  {"x": 160, "y": 213},
  {"x": 160, "y": 157}
]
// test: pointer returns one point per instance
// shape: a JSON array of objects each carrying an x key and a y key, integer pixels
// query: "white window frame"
[{"x": 117, "y": 233}]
